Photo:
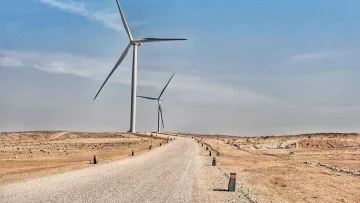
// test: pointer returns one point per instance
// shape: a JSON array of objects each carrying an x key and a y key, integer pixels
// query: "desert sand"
[
  {"x": 302, "y": 168},
  {"x": 26, "y": 155},
  {"x": 176, "y": 172},
  {"x": 299, "y": 168}
]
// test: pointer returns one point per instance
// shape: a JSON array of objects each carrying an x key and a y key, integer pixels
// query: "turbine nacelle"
[
  {"x": 159, "y": 100},
  {"x": 136, "y": 43}
]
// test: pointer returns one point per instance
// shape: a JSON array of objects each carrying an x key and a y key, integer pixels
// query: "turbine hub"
[{"x": 136, "y": 43}]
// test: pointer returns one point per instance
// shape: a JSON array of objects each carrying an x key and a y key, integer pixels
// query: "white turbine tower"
[
  {"x": 135, "y": 44},
  {"x": 159, "y": 104}
]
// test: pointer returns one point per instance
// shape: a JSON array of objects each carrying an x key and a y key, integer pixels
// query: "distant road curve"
[{"x": 167, "y": 174}]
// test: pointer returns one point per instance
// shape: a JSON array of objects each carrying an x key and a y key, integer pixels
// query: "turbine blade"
[
  {"x": 151, "y": 98},
  {"x": 162, "y": 119},
  {"x": 124, "y": 21},
  {"x": 115, "y": 67},
  {"x": 144, "y": 40},
  {"x": 165, "y": 86}
]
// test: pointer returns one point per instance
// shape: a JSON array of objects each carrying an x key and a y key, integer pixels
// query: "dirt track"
[{"x": 176, "y": 172}]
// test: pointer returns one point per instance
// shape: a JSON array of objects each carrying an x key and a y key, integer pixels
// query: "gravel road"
[{"x": 171, "y": 173}]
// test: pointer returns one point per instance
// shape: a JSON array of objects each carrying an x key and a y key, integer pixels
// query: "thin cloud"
[
  {"x": 65, "y": 63},
  {"x": 107, "y": 18},
  {"x": 9, "y": 62},
  {"x": 317, "y": 55},
  {"x": 195, "y": 86}
]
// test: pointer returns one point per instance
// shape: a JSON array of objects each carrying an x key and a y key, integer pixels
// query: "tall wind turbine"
[
  {"x": 134, "y": 43},
  {"x": 159, "y": 100}
]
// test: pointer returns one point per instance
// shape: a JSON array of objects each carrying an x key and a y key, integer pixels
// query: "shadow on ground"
[{"x": 221, "y": 190}]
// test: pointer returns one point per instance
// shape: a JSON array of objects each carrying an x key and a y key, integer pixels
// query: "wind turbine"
[
  {"x": 134, "y": 43},
  {"x": 159, "y": 104}
]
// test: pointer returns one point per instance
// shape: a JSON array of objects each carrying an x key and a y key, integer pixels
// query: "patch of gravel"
[
  {"x": 213, "y": 182},
  {"x": 246, "y": 193},
  {"x": 354, "y": 173}
]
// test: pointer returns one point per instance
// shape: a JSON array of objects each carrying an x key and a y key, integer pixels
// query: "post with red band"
[
  {"x": 94, "y": 161},
  {"x": 232, "y": 182},
  {"x": 214, "y": 161}
]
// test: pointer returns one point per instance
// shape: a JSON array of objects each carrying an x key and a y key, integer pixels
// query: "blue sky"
[{"x": 254, "y": 67}]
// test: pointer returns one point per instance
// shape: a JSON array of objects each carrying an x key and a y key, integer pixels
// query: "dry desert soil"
[
  {"x": 178, "y": 171},
  {"x": 26, "y": 155},
  {"x": 301, "y": 168}
]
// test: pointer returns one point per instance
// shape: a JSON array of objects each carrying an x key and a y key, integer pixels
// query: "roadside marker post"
[{"x": 232, "y": 182}]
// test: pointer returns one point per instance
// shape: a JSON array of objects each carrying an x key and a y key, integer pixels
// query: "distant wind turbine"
[
  {"x": 135, "y": 44},
  {"x": 159, "y": 99}
]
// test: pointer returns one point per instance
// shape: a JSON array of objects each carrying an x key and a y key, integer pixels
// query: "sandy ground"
[
  {"x": 306, "y": 168},
  {"x": 213, "y": 181},
  {"x": 176, "y": 172},
  {"x": 26, "y": 155}
]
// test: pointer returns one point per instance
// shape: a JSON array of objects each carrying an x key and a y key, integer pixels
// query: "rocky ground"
[{"x": 303, "y": 168}]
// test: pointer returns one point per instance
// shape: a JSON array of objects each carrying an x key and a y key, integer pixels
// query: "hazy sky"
[{"x": 254, "y": 67}]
